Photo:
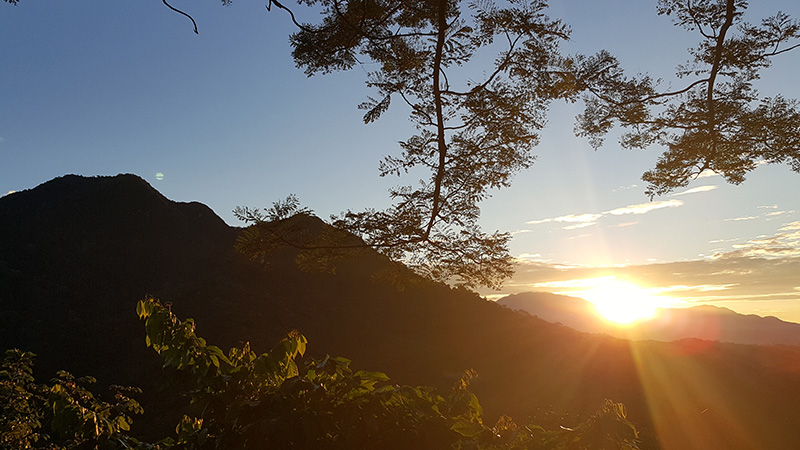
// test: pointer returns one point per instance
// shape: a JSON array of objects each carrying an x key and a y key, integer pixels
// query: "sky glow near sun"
[
  {"x": 618, "y": 301},
  {"x": 621, "y": 302}
]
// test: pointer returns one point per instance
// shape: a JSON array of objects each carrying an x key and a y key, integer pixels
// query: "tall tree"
[{"x": 472, "y": 134}]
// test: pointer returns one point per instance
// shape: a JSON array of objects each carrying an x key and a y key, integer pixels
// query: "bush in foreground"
[{"x": 243, "y": 400}]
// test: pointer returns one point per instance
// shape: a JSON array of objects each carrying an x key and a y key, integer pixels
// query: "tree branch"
[
  {"x": 291, "y": 14},
  {"x": 181, "y": 12},
  {"x": 437, "y": 94}
]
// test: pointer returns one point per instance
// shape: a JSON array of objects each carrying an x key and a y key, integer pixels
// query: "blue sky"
[{"x": 98, "y": 88}]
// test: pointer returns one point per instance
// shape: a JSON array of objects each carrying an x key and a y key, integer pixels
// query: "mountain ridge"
[
  {"x": 76, "y": 256},
  {"x": 707, "y": 322}
]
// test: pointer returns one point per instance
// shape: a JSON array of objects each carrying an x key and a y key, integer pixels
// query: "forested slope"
[{"x": 76, "y": 254}]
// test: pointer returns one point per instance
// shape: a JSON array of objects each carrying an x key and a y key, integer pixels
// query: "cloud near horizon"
[
  {"x": 737, "y": 219},
  {"x": 748, "y": 285},
  {"x": 784, "y": 243},
  {"x": 759, "y": 276}
]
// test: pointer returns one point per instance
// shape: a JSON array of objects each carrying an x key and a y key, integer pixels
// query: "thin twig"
[
  {"x": 181, "y": 12},
  {"x": 296, "y": 23}
]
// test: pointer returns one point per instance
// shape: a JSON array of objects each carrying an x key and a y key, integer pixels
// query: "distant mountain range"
[
  {"x": 669, "y": 324},
  {"x": 76, "y": 253}
]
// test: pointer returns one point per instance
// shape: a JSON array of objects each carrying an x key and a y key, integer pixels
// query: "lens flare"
[{"x": 621, "y": 302}]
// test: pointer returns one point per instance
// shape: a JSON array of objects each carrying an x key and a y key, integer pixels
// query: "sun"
[{"x": 620, "y": 302}]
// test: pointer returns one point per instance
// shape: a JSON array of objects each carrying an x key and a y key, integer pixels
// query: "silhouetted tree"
[
  {"x": 473, "y": 135},
  {"x": 717, "y": 121}
]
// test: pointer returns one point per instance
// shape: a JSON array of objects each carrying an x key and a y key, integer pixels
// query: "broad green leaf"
[{"x": 467, "y": 428}]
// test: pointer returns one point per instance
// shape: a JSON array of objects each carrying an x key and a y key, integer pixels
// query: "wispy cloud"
[
  {"x": 757, "y": 276},
  {"x": 578, "y": 218},
  {"x": 627, "y": 224},
  {"x": 790, "y": 226},
  {"x": 738, "y": 219},
  {"x": 779, "y": 213},
  {"x": 784, "y": 243},
  {"x": 528, "y": 257},
  {"x": 569, "y": 218},
  {"x": 769, "y": 215},
  {"x": 579, "y": 225},
  {"x": 576, "y": 221},
  {"x": 718, "y": 241},
  {"x": 684, "y": 289},
  {"x": 708, "y": 173},
  {"x": 695, "y": 190},
  {"x": 516, "y": 232},
  {"x": 643, "y": 208}
]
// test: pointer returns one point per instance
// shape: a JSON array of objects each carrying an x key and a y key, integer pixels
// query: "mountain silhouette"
[
  {"x": 573, "y": 312},
  {"x": 76, "y": 253},
  {"x": 705, "y": 322}
]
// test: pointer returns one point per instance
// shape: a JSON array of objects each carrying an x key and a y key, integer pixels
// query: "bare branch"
[{"x": 181, "y": 12}]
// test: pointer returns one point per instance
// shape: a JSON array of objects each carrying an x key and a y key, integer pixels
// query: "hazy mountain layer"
[{"x": 669, "y": 324}]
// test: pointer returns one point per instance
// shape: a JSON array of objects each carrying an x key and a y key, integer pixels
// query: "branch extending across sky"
[
  {"x": 473, "y": 138},
  {"x": 718, "y": 121},
  {"x": 476, "y": 128}
]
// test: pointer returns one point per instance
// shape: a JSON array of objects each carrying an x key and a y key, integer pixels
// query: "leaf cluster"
[
  {"x": 278, "y": 399},
  {"x": 245, "y": 400},
  {"x": 61, "y": 415}
]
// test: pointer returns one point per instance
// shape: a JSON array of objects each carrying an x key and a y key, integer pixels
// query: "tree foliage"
[
  {"x": 62, "y": 415},
  {"x": 247, "y": 400},
  {"x": 278, "y": 399},
  {"x": 718, "y": 122},
  {"x": 472, "y": 134},
  {"x": 319, "y": 247}
]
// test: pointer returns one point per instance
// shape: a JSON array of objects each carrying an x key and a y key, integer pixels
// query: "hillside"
[
  {"x": 77, "y": 253},
  {"x": 705, "y": 322}
]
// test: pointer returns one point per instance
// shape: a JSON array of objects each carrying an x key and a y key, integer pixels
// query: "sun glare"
[{"x": 620, "y": 302}]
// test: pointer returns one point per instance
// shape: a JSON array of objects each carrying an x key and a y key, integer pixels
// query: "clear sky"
[{"x": 95, "y": 87}]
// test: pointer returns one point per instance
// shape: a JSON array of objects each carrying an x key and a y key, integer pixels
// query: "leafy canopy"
[
  {"x": 242, "y": 400},
  {"x": 472, "y": 134},
  {"x": 718, "y": 121}
]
